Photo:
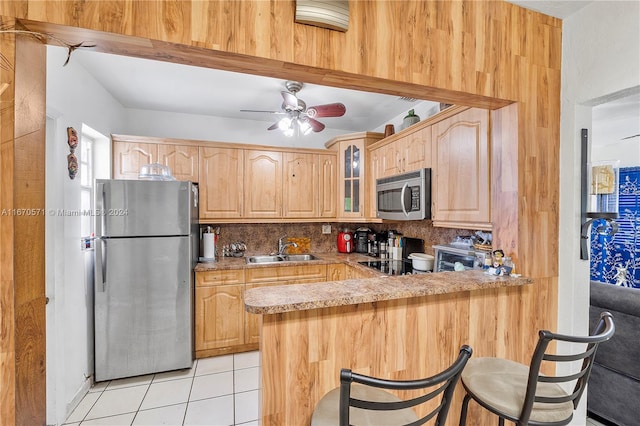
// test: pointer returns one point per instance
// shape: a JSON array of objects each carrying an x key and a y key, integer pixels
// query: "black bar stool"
[
  {"x": 522, "y": 394},
  {"x": 366, "y": 403}
]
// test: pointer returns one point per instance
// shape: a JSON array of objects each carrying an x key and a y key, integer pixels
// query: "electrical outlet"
[{"x": 326, "y": 229}]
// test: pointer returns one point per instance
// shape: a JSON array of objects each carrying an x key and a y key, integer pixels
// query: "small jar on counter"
[{"x": 507, "y": 261}]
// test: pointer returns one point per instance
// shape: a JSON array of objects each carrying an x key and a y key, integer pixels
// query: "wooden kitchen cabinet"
[
  {"x": 309, "y": 185},
  {"x": 219, "y": 310},
  {"x": 337, "y": 272},
  {"x": 351, "y": 272},
  {"x": 239, "y": 183},
  {"x": 220, "y": 316},
  {"x": 222, "y": 325},
  {"x": 404, "y": 153},
  {"x": 375, "y": 172},
  {"x": 461, "y": 177},
  {"x": 293, "y": 274},
  {"x": 328, "y": 183},
  {"x": 300, "y": 190},
  {"x": 130, "y": 153},
  {"x": 221, "y": 182},
  {"x": 128, "y": 157},
  {"x": 354, "y": 180},
  {"x": 416, "y": 150},
  {"x": 263, "y": 184},
  {"x": 181, "y": 159},
  {"x": 278, "y": 275}
]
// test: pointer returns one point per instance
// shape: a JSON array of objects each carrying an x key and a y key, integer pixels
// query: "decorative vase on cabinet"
[{"x": 409, "y": 119}]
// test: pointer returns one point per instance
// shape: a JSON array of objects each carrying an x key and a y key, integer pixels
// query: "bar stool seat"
[
  {"x": 326, "y": 413},
  {"x": 502, "y": 384}
]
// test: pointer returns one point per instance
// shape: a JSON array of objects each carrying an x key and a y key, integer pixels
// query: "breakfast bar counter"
[
  {"x": 277, "y": 299},
  {"x": 400, "y": 327}
]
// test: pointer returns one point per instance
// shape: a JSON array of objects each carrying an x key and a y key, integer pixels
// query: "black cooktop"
[{"x": 393, "y": 267}]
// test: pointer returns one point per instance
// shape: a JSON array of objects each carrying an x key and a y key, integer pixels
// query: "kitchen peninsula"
[{"x": 394, "y": 327}]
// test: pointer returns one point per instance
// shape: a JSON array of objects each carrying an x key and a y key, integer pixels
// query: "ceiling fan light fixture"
[
  {"x": 300, "y": 120},
  {"x": 284, "y": 124},
  {"x": 304, "y": 126}
]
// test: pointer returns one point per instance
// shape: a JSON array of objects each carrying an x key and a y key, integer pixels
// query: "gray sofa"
[{"x": 613, "y": 393}]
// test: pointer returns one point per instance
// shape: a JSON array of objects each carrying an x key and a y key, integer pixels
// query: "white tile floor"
[{"x": 217, "y": 391}]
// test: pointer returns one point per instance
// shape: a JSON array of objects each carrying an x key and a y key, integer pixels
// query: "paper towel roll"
[{"x": 209, "y": 245}]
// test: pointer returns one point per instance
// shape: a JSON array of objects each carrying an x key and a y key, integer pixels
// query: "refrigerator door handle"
[{"x": 101, "y": 268}]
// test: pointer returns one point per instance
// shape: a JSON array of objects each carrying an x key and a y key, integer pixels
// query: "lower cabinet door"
[
  {"x": 220, "y": 316},
  {"x": 337, "y": 272}
]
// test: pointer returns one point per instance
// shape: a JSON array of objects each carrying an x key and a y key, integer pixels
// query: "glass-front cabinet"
[
  {"x": 354, "y": 179},
  {"x": 352, "y": 166}
]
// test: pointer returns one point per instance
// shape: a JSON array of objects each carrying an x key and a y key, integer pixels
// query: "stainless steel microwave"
[{"x": 404, "y": 197}]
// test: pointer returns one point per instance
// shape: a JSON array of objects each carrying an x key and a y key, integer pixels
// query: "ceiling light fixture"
[{"x": 294, "y": 126}]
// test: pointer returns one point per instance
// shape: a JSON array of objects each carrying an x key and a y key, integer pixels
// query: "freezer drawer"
[
  {"x": 143, "y": 306},
  {"x": 130, "y": 208}
]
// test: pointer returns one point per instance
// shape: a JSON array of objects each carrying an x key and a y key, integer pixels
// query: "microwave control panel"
[{"x": 415, "y": 198}]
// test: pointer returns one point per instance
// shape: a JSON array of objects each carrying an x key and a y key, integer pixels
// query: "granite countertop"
[
  {"x": 297, "y": 297},
  {"x": 380, "y": 287}
]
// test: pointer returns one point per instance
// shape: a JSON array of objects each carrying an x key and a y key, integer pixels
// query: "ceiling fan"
[{"x": 298, "y": 118}]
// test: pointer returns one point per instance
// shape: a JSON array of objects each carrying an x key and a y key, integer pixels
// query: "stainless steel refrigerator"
[{"x": 146, "y": 248}]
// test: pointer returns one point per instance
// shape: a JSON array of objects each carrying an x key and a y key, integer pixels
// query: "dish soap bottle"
[{"x": 409, "y": 119}]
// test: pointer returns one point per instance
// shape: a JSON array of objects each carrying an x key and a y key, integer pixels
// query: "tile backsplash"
[{"x": 263, "y": 238}]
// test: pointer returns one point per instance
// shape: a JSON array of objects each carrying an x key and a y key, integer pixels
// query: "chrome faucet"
[{"x": 282, "y": 245}]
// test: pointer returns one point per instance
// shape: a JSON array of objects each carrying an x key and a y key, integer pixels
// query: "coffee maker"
[{"x": 362, "y": 240}]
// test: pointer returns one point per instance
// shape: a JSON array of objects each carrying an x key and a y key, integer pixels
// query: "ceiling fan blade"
[
  {"x": 327, "y": 110},
  {"x": 290, "y": 99},
  {"x": 316, "y": 126},
  {"x": 273, "y": 126},
  {"x": 257, "y": 110}
]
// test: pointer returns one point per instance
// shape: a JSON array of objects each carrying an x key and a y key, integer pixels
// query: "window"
[{"x": 86, "y": 184}]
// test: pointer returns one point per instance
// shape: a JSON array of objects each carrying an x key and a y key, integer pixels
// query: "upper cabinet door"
[
  {"x": 300, "y": 189},
  {"x": 392, "y": 156},
  {"x": 352, "y": 177},
  {"x": 263, "y": 180},
  {"x": 328, "y": 182},
  {"x": 128, "y": 157},
  {"x": 221, "y": 183},
  {"x": 404, "y": 154},
  {"x": 416, "y": 150},
  {"x": 461, "y": 184},
  {"x": 182, "y": 160}
]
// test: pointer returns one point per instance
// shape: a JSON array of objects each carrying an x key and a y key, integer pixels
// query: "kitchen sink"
[
  {"x": 299, "y": 257},
  {"x": 280, "y": 258}
]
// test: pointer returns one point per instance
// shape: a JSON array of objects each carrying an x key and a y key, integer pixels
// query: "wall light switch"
[{"x": 326, "y": 229}]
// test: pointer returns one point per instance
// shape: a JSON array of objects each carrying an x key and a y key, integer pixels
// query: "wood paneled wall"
[
  {"x": 22, "y": 170},
  {"x": 486, "y": 54},
  {"x": 398, "y": 339}
]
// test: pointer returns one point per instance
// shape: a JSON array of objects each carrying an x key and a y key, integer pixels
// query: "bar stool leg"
[{"x": 463, "y": 413}]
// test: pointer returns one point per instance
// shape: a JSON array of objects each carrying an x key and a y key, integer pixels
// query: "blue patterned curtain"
[{"x": 616, "y": 259}]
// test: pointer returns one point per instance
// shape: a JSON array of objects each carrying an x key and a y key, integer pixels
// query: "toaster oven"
[{"x": 447, "y": 255}]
